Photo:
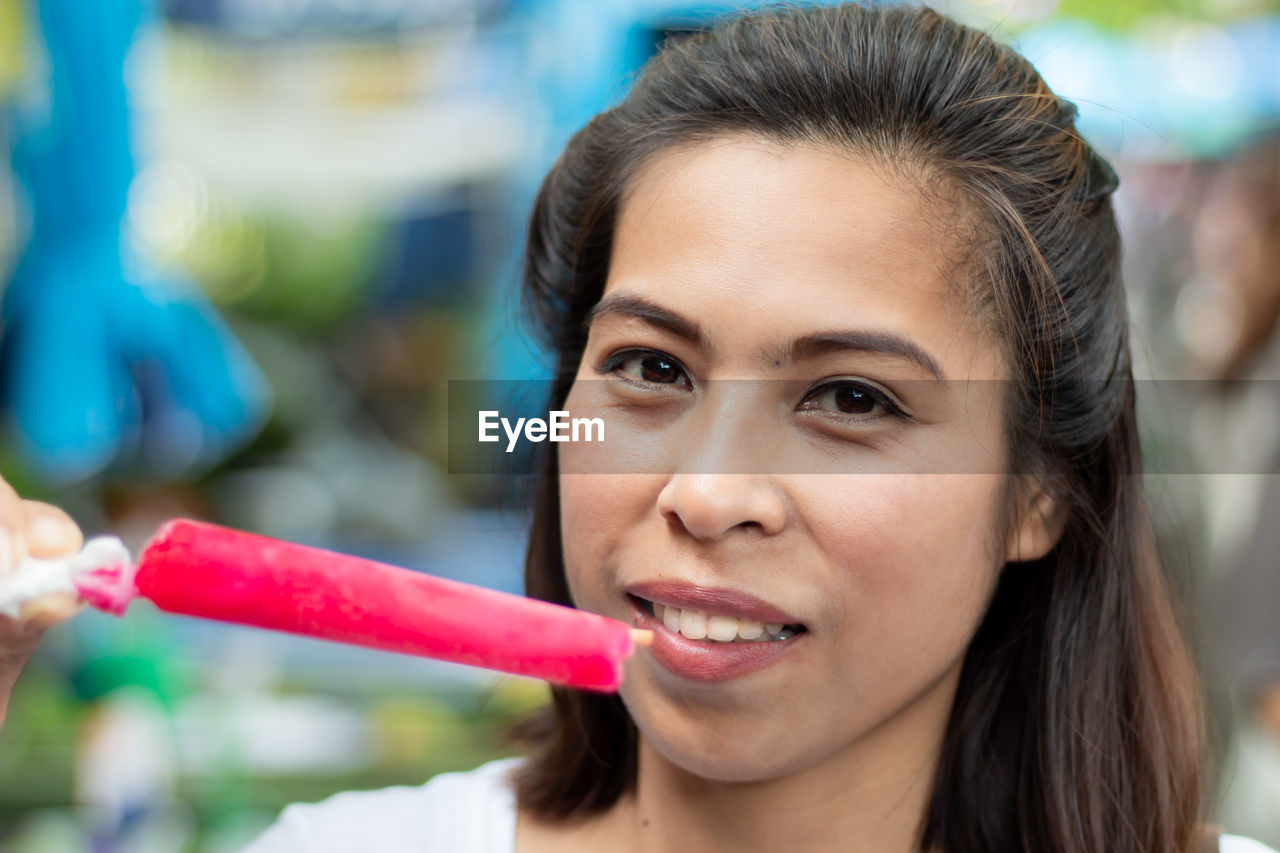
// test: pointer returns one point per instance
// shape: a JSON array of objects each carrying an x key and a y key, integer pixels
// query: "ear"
[{"x": 1037, "y": 526}]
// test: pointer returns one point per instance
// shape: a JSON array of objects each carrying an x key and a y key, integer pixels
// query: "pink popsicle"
[{"x": 200, "y": 569}]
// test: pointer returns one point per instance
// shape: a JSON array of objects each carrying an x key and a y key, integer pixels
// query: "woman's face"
[{"x": 802, "y": 426}]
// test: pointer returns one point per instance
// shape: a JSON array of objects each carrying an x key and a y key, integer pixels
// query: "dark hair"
[{"x": 1077, "y": 724}]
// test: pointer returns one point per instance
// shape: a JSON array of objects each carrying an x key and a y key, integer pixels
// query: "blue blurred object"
[
  {"x": 611, "y": 42},
  {"x": 102, "y": 357},
  {"x": 1191, "y": 89}
]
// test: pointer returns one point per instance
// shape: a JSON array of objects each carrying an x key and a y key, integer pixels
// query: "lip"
[
  {"x": 708, "y": 661},
  {"x": 724, "y": 602}
]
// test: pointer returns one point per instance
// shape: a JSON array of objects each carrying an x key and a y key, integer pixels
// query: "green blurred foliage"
[{"x": 1132, "y": 14}]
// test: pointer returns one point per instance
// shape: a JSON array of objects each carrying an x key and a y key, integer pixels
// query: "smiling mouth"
[{"x": 715, "y": 627}]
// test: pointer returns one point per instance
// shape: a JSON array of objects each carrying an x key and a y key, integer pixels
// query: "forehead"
[{"x": 777, "y": 240}]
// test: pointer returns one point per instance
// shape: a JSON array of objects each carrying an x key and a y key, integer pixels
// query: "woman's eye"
[
  {"x": 850, "y": 398},
  {"x": 648, "y": 366}
]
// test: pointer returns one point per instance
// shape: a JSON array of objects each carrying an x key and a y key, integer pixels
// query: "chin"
[
  {"x": 720, "y": 745},
  {"x": 739, "y": 762}
]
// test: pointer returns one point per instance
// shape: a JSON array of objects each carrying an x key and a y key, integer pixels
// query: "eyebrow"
[
  {"x": 650, "y": 312},
  {"x": 807, "y": 347},
  {"x": 887, "y": 343}
]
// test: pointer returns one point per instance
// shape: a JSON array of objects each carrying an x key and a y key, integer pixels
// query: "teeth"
[
  {"x": 696, "y": 625},
  {"x": 722, "y": 629},
  {"x": 693, "y": 624}
]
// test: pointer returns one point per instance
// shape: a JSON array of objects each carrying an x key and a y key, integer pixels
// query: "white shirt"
[{"x": 473, "y": 812}]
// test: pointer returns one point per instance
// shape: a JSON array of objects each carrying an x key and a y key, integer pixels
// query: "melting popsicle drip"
[
  {"x": 101, "y": 573},
  {"x": 105, "y": 577}
]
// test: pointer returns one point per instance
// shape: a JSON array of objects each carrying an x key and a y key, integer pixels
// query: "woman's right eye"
[{"x": 649, "y": 366}]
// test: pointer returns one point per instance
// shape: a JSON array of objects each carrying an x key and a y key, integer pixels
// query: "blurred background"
[{"x": 245, "y": 244}]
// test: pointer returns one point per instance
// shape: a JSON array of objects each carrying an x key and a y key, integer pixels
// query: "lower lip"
[{"x": 707, "y": 660}]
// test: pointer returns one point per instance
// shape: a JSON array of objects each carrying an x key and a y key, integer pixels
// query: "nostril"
[{"x": 707, "y": 506}]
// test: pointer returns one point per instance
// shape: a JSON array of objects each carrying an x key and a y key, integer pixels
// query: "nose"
[
  {"x": 710, "y": 506},
  {"x": 722, "y": 480}
]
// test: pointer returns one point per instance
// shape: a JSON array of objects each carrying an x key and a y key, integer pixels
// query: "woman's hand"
[{"x": 31, "y": 528}]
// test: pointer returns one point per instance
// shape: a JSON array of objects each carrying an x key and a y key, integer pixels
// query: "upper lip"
[{"x": 712, "y": 600}]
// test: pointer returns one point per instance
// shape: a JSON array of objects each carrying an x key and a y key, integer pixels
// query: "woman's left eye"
[{"x": 854, "y": 399}]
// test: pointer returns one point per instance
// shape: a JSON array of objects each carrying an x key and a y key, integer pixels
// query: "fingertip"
[
  {"x": 11, "y": 549},
  {"x": 49, "y": 610},
  {"x": 50, "y": 531},
  {"x": 12, "y": 522}
]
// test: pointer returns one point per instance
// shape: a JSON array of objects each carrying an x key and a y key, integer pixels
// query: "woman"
[{"x": 898, "y": 568}]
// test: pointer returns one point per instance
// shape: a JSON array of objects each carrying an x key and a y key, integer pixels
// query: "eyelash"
[
  {"x": 613, "y": 362},
  {"x": 887, "y": 405}
]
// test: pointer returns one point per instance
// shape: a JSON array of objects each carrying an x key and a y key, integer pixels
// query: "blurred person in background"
[{"x": 1236, "y": 247}]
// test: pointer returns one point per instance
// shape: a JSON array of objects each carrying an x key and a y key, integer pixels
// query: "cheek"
[
  {"x": 598, "y": 515},
  {"x": 601, "y": 504},
  {"x": 915, "y": 556},
  {"x": 584, "y": 499}
]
